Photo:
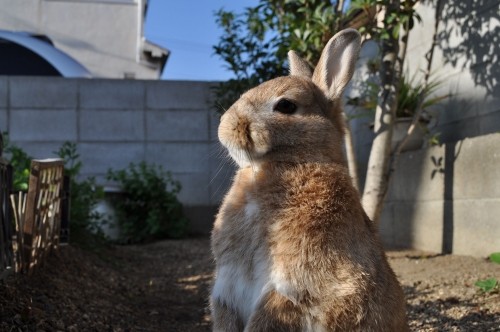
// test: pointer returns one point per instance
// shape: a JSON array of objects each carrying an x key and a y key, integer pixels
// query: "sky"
[{"x": 188, "y": 30}]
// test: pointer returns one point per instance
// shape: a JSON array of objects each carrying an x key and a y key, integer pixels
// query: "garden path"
[{"x": 164, "y": 286}]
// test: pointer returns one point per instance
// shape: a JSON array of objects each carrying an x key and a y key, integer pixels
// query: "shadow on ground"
[{"x": 164, "y": 286}]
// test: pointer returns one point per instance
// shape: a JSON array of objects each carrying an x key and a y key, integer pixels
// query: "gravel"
[{"x": 164, "y": 286}]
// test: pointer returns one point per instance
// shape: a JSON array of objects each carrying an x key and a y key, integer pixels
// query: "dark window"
[{"x": 18, "y": 60}]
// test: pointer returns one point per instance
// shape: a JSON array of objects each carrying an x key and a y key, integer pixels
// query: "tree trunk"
[
  {"x": 429, "y": 56},
  {"x": 350, "y": 152},
  {"x": 390, "y": 72}
]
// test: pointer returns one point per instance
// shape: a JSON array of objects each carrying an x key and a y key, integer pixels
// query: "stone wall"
[
  {"x": 115, "y": 122},
  {"x": 446, "y": 199},
  {"x": 443, "y": 198},
  {"x": 466, "y": 63}
]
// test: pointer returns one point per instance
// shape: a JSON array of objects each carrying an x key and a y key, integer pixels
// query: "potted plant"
[{"x": 411, "y": 94}]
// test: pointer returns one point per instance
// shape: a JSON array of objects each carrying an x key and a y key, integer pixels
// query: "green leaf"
[
  {"x": 150, "y": 209},
  {"x": 395, "y": 32},
  {"x": 495, "y": 257},
  {"x": 487, "y": 285}
]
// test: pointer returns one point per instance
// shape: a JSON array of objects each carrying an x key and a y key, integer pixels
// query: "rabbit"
[{"x": 293, "y": 248}]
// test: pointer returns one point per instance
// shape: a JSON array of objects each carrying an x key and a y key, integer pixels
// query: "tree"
[
  {"x": 254, "y": 46},
  {"x": 390, "y": 74}
]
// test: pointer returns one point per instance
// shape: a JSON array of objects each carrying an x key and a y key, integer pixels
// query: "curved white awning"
[{"x": 62, "y": 62}]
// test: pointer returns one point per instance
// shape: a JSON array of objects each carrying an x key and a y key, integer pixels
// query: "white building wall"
[{"x": 103, "y": 35}]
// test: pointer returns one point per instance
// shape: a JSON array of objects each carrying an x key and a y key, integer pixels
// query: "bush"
[
  {"x": 84, "y": 196},
  {"x": 149, "y": 208},
  {"x": 20, "y": 162}
]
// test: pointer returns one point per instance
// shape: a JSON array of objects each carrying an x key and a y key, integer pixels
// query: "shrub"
[
  {"x": 149, "y": 208},
  {"x": 20, "y": 162},
  {"x": 84, "y": 196}
]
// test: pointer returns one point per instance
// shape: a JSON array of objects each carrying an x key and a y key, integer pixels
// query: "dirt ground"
[{"x": 164, "y": 286}]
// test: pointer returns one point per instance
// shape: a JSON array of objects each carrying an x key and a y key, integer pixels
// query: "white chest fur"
[
  {"x": 240, "y": 283},
  {"x": 240, "y": 290},
  {"x": 251, "y": 211}
]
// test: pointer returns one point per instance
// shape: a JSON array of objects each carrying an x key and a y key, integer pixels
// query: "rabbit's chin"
[{"x": 245, "y": 158}]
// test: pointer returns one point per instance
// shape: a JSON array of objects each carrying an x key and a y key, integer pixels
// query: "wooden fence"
[
  {"x": 36, "y": 216},
  {"x": 6, "y": 249}
]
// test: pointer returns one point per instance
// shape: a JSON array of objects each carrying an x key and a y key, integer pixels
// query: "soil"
[{"x": 164, "y": 286}]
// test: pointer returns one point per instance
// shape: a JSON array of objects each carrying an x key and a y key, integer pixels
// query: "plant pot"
[
  {"x": 416, "y": 139},
  {"x": 109, "y": 225}
]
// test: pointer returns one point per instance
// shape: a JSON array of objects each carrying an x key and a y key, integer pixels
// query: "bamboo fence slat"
[{"x": 41, "y": 224}]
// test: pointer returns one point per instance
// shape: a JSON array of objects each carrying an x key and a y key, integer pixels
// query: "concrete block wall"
[
  {"x": 115, "y": 122},
  {"x": 446, "y": 199},
  {"x": 465, "y": 61}
]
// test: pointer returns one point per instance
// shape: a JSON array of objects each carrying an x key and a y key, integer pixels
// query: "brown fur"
[{"x": 293, "y": 218}]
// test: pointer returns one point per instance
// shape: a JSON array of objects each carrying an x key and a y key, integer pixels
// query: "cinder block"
[
  {"x": 457, "y": 109},
  {"x": 178, "y": 95},
  {"x": 219, "y": 188},
  {"x": 104, "y": 125},
  {"x": 422, "y": 36},
  {"x": 176, "y": 125},
  {"x": 180, "y": 157},
  {"x": 222, "y": 170},
  {"x": 214, "y": 119},
  {"x": 418, "y": 225},
  {"x": 476, "y": 230},
  {"x": 219, "y": 157},
  {"x": 363, "y": 134},
  {"x": 476, "y": 168},
  {"x": 40, "y": 150},
  {"x": 43, "y": 92},
  {"x": 36, "y": 125},
  {"x": 426, "y": 225},
  {"x": 112, "y": 94},
  {"x": 4, "y": 88},
  {"x": 98, "y": 158},
  {"x": 386, "y": 226},
  {"x": 457, "y": 131},
  {"x": 490, "y": 123},
  {"x": 220, "y": 184},
  {"x": 4, "y": 120},
  {"x": 195, "y": 188},
  {"x": 419, "y": 176},
  {"x": 488, "y": 105},
  {"x": 401, "y": 224}
]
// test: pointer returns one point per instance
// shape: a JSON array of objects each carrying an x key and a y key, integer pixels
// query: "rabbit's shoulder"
[{"x": 326, "y": 185}]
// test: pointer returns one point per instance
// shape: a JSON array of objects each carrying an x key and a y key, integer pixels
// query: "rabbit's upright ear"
[
  {"x": 337, "y": 62},
  {"x": 298, "y": 66}
]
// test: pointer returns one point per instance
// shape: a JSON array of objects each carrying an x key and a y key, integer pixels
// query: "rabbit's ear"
[
  {"x": 298, "y": 66},
  {"x": 337, "y": 61}
]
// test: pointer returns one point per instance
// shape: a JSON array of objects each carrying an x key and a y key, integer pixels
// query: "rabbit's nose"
[{"x": 242, "y": 131}]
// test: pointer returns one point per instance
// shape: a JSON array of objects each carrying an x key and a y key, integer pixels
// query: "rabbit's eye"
[{"x": 285, "y": 106}]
